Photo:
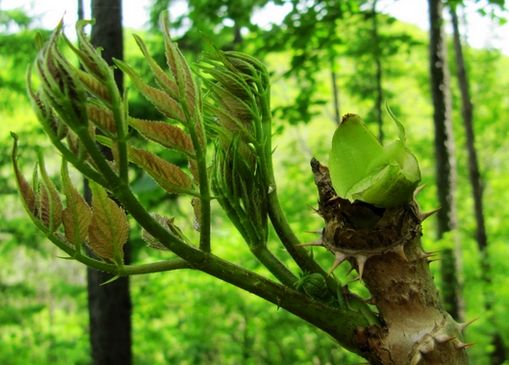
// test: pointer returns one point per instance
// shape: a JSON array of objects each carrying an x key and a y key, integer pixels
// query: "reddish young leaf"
[
  {"x": 49, "y": 204},
  {"x": 163, "y": 133},
  {"x": 109, "y": 228},
  {"x": 26, "y": 191},
  {"x": 77, "y": 215},
  {"x": 169, "y": 176},
  {"x": 161, "y": 100},
  {"x": 163, "y": 79},
  {"x": 102, "y": 117}
]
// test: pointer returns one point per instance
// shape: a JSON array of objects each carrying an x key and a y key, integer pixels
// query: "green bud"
[
  {"x": 362, "y": 169},
  {"x": 313, "y": 285}
]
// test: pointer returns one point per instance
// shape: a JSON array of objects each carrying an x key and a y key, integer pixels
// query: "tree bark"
[
  {"x": 445, "y": 162},
  {"x": 498, "y": 355},
  {"x": 109, "y": 305},
  {"x": 335, "y": 91},
  {"x": 81, "y": 10}
]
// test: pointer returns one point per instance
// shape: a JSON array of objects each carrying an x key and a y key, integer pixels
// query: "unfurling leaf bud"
[
  {"x": 237, "y": 113},
  {"x": 362, "y": 169}
]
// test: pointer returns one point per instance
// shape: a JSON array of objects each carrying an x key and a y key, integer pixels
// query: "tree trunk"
[
  {"x": 445, "y": 162},
  {"x": 81, "y": 10},
  {"x": 498, "y": 354},
  {"x": 378, "y": 71},
  {"x": 109, "y": 305}
]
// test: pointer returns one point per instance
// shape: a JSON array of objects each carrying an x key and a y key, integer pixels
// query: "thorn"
[
  {"x": 418, "y": 190},
  {"x": 340, "y": 257},
  {"x": 400, "y": 251},
  {"x": 433, "y": 260},
  {"x": 443, "y": 337},
  {"x": 314, "y": 243},
  {"x": 426, "y": 215},
  {"x": 315, "y": 210},
  {"x": 66, "y": 257},
  {"x": 110, "y": 280},
  {"x": 464, "y": 325},
  {"x": 416, "y": 359},
  {"x": 425, "y": 255},
  {"x": 361, "y": 260},
  {"x": 462, "y": 345},
  {"x": 333, "y": 199}
]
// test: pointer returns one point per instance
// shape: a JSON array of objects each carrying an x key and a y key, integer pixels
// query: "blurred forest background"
[{"x": 327, "y": 58}]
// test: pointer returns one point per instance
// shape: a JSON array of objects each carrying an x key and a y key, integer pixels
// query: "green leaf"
[{"x": 362, "y": 169}]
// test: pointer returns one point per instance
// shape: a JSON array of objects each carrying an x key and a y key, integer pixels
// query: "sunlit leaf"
[{"x": 362, "y": 169}]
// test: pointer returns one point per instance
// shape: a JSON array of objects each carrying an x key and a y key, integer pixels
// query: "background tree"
[
  {"x": 467, "y": 111},
  {"x": 109, "y": 305},
  {"x": 445, "y": 164}
]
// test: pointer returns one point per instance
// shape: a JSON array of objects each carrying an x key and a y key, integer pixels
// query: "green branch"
[
  {"x": 120, "y": 117},
  {"x": 203, "y": 180},
  {"x": 341, "y": 324}
]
